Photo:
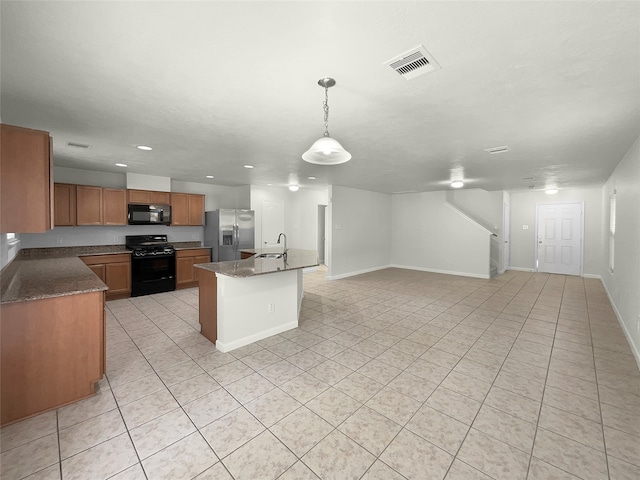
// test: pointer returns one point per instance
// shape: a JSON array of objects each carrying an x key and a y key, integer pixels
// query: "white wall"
[
  {"x": 216, "y": 196},
  {"x": 483, "y": 206},
  {"x": 77, "y": 176},
  {"x": 429, "y": 235},
  {"x": 360, "y": 234},
  {"x": 9, "y": 248},
  {"x": 300, "y": 214},
  {"x": 106, "y": 235},
  {"x": 523, "y": 212},
  {"x": 623, "y": 284}
]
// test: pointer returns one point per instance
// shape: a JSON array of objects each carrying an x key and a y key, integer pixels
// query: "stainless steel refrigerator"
[{"x": 227, "y": 231}]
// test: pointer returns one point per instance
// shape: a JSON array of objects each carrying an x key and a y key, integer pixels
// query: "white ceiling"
[{"x": 212, "y": 86}]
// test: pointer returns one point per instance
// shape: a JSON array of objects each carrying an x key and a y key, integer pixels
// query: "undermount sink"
[{"x": 270, "y": 255}]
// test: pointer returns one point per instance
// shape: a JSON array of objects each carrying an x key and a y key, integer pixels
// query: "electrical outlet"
[
  {"x": 115, "y": 238},
  {"x": 525, "y": 227},
  {"x": 271, "y": 308},
  {"x": 59, "y": 240}
]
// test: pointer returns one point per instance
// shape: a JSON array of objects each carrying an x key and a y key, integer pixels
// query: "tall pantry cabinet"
[{"x": 26, "y": 180}]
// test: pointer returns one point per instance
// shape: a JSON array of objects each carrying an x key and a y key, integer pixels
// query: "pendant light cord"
[{"x": 325, "y": 106}]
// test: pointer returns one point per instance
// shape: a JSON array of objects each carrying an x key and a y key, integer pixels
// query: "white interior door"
[
  {"x": 560, "y": 238},
  {"x": 272, "y": 222}
]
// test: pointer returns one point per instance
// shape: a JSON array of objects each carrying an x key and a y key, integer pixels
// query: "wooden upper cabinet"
[
  {"x": 162, "y": 198},
  {"x": 148, "y": 197},
  {"x": 114, "y": 206},
  {"x": 187, "y": 209},
  {"x": 64, "y": 198},
  {"x": 179, "y": 209},
  {"x": 196, "y": 210},
  {"x": 26, "y": 183},
  {"x": 89, "y": 209}
]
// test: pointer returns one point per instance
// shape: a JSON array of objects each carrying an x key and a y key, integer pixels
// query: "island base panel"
[{"x": 208, "y": 305}]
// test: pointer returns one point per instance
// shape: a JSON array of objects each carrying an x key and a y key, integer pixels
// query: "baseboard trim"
[
  {"x": 359, "y": 272},
  {"x": 634, "y": 348},
  {"x": 593, "y": 275},
  {"x": 520, "y": 269},
  {"x": 241, "y": 342},
  {"x": 445, "y": 272}
]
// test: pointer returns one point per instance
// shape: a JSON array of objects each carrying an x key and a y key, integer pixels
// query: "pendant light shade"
[{"x": 326, "y": 151}]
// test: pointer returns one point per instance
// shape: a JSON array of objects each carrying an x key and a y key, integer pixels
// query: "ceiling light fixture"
[
  {"x": 144, "y": 147},
  {"x": 210, "y": 176},
  {"x": 294, "y": 188},
  {"x": 326, "y": 151},
  {"x": 248, "y": 166},
  {"x": 311, "y": 178},
  {"x": 551, "y": 191},
  {"x": 457, "y": 184},
  {"x": 121, "y": 164}
]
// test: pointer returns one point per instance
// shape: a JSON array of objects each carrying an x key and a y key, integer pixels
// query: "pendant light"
[{"x": 326, "y": 151}]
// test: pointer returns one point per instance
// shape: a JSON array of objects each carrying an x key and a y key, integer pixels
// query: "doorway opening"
[{"x": 322, "y": 239}]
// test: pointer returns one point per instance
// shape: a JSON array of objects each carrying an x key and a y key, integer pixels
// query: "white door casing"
[
  {"x": 559, "y": 238},
  {"x": 506, "y": 236}
]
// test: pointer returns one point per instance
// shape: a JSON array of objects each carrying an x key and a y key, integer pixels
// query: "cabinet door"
[
  {"x": 196, "y": 210},
  {"x": 26, "y": 183},
  {"x": 161, "y": 198},
  {"x": 138, "y": 196},
  {"x": 64, "y": 205},
  {"x": 100, "y": 271},
  {"x": 179, "y": 209},
  {"x": 118, "y": 278},
  {"x": 199, "y": 259},
  {"x": 184, "y": 270},
  {"x": 114, "y": 206},
  {"x": 89, "y": 205}
]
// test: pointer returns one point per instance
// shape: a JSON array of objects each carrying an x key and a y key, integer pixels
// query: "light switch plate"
[{"x": 525, "y": 227}]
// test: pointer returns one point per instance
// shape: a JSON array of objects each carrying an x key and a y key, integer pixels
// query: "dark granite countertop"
[
  {"x": 295, "y": 260},
  {"x": 45, "y": 277}
]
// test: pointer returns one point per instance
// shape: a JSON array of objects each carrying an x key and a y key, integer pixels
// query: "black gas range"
[{"x": 153, "y": 264}]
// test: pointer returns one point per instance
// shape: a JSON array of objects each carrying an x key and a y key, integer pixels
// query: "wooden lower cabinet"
[
  {"x": 114, "y": 270},
  {"x": 186, "y": 274},
  {"x": 52, "y": 351}
]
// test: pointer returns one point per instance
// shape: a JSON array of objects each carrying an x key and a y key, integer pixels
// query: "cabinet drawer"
[{"x": 195, "y": 252}]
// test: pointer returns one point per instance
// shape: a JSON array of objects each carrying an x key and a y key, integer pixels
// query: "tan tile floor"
[{"x": 393, "y": 374}]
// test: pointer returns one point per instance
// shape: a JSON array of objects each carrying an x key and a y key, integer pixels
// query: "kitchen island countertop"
[{"x": 295, "y": 259}]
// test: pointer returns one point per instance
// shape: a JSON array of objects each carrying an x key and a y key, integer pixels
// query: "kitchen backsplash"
[{"x": 105, "y": 235}]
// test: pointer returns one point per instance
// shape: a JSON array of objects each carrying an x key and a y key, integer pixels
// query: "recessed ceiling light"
[
  {"x": 121, "y": 164},
  {"x": 311, "y": 178},
  {"x": 248, "y": 166},
  {"x": 210, "y": 176},
  {"x": 294, "y": 188},
  {"x": 457, "y": 184},
  {"x": 495, "y": 150},
  {"x": 551, "y": 191},
  {"x": 144, "y": 147}
]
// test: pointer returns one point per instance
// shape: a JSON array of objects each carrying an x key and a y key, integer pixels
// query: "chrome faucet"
[{"x": 285, "y": 242}]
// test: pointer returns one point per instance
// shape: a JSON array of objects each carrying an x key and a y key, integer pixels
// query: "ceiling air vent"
[
  {"x": 413, "y": 63},
  {"x": 495, "y": 150},
  {"x": 77, "y": 145}
]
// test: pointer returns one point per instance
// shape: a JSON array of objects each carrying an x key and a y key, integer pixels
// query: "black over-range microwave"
[{"x": 149, "y": 214}]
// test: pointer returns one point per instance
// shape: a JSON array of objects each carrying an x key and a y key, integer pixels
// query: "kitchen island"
[{"x": 243, "y": 301}]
